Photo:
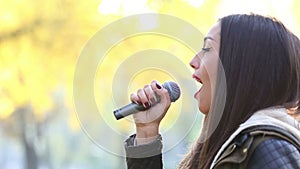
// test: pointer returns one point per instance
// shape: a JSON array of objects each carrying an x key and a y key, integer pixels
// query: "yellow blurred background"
[{"x": 40, "y": 42}]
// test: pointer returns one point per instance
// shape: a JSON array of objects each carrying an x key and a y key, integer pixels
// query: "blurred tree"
[{"x": 39, "y": 43}]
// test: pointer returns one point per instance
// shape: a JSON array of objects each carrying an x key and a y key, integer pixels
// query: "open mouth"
[{"x": 200, "y": 81}]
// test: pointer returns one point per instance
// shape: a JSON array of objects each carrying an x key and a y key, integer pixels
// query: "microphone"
[{"x": 174, "y": 93}]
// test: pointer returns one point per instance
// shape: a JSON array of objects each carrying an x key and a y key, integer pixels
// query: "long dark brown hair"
[{"x": 261, "y": 61}]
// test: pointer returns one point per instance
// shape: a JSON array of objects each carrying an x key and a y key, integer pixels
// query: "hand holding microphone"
[
  {"x": 153, "y": 96},
  {"x": 149, "y": 107}
]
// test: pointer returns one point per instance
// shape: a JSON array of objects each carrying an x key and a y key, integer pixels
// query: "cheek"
[
  {"x": 208, "y": 72},
  {"x": 211, "y": 68},
  {"x": 204, "y": 100}
]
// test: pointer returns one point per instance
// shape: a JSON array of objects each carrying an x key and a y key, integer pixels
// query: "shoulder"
[
  {"x": 263, "y": 147},
  {"x": 275, "y": 153}
]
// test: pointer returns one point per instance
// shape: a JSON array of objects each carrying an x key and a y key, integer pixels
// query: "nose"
[{"x": 195, "y": 62}]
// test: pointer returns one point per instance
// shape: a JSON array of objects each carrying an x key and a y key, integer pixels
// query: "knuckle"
[
  {"x": 139, "y": 90},
  {"x": 165, "y": 91},
  {"x": 133, "y": 96},
  {"x": 154, "y": 82}
]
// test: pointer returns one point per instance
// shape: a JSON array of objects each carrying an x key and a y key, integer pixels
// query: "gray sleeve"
[{"x": 145, "y": 156}]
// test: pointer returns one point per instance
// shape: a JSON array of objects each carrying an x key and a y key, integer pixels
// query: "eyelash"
[{"x": 206, "y": 49}]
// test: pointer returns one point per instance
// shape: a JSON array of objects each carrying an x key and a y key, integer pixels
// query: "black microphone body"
[{"x": 174, "y": 93}]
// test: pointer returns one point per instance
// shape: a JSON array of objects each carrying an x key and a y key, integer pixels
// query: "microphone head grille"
[{"x": 173, "y": 90}]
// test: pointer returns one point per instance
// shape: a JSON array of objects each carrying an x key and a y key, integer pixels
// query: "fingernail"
[
  {"x": 158, "y": 86},
  {"x": 138, "y": 102},
  {"x": 147, "y": 105}
]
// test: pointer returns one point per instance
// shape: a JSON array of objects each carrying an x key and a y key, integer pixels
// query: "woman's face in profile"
[{"x": 205, "y": 64}]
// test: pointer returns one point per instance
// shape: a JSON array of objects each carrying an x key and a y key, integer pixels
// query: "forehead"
[{"x": 215, "y": 32}]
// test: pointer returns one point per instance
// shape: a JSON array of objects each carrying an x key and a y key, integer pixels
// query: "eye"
[{"x": 206, "y": 49}]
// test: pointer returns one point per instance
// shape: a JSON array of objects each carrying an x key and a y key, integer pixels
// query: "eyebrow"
[{"x": 208, "y": 37}]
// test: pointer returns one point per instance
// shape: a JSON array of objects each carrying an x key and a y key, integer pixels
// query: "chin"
[{"x": 203, "y": 110}]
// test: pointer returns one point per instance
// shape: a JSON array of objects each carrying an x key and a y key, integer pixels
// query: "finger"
[
  {"x": 134, "y": 98},
  {"x": 160, "y": 91},
  {"x": 143, "y": 98},
  {"x": 150, "y": 94}
]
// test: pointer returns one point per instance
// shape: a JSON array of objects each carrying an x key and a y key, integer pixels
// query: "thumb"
[{"x": 161, "y": 92}]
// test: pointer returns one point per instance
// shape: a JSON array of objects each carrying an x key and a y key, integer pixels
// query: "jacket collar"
[{"x": 274, "y": 116}]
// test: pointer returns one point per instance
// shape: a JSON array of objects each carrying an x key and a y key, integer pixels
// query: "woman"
[{"x": 249, "y": 68}]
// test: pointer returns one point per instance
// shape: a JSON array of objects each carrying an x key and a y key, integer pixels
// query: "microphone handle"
[{"x": 128, "y": 110}]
